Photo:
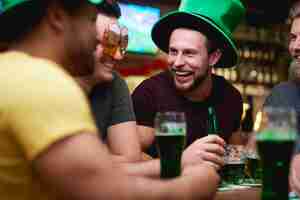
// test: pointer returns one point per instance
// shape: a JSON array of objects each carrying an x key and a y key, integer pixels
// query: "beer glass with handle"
[
  {"x": 275, "y": 143},
  {"x": 170, "y": 134}
]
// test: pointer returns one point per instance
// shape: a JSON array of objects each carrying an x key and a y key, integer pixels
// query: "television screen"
[{"x": 139, "y": 20}]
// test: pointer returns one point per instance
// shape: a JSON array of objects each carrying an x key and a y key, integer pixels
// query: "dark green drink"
[
  {"x": 253, "y": 168},
  {"x": 170, "y": 148},
  {"x": 275, "y": 153},
  {"x": 170, "y": 131},
  {"x": 233, "y": 173}
]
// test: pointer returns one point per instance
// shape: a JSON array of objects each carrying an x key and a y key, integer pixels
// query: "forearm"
[
  {"x": 194, "y": 186},
  {"x": 80, "y": 168},
  {"x": 200, "y": 182},
  {"x": 125, "y": 131},
  {"x": 150, "y": 168}
]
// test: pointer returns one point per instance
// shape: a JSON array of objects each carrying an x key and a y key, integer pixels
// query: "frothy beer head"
[
  {"x": 234, "y": 154},
  {"x": 276, "y": 135},
  {"x": 171, "y": 129}
]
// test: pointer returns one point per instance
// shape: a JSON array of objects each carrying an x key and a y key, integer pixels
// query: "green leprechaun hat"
[{"x": 217, "y": 19}]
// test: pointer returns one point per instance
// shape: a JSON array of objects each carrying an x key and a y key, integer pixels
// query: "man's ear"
[
  {"x": 56, "y": 16},
  {"x": 214, "y": 57}
]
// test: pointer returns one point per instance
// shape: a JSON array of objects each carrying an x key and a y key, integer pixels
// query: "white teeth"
[{"x": 182, "y": 73}]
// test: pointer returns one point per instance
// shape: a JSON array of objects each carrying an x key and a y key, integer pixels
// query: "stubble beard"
[{"x": 196, "y": 83}]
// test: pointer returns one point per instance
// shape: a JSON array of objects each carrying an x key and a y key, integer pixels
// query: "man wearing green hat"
[
  {"x": 196, "y": 37},
  {"x": 49, "y": 147}
]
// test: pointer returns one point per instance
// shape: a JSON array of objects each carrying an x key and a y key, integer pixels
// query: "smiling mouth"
[{"x": 181, "y": 73}]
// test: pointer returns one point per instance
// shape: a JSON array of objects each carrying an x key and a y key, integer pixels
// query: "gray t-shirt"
[
  {"x": 111, "y": 104},
  {"x": 286, "y": 94}
]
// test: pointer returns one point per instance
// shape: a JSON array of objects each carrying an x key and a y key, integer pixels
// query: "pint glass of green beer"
[
  {"x": 170, "y": 133},
  {"x": 275, "y": 143},
  {"x": 233, "y": 170}
]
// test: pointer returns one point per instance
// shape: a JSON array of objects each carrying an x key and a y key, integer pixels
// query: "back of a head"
[{"x": 21, "y": 17}]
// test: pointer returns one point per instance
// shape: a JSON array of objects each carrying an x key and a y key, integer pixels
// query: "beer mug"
[
  {"x": 170, "y": 133},
  {"x": 275, "y": 144},
  {"x": 233, "y": 170}
]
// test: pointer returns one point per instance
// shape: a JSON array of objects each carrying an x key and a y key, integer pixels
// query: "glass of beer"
[
  {"x": 253, "y": 170},
  {"x": 170, "y": 134},
  {"x": 275, "y": 143},
  {"x": 233, "y": 170}
]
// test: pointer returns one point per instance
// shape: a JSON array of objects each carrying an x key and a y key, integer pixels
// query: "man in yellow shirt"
[{"x": 49, "y": 148}]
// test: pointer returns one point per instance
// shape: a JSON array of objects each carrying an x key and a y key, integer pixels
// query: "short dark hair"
[
  {"x": 211, "y": 46},
  {"x": 294, "y": 10},
  {"x": 111, "y": 9},
  {"x": 19, "y": 21},
  {"x": 13, "y": 23}
]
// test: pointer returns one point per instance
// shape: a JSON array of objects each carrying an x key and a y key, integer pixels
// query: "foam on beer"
[{"x": 171, "y": 128}]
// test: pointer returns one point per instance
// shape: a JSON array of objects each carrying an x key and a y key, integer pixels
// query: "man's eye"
[
  {"x": 292, "y": 37},
  {"x": 172, "y": 52},
  {"x": 189, "y": 54}
]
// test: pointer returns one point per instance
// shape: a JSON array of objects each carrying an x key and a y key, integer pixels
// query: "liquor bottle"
[{"x": 213, "y": 124}]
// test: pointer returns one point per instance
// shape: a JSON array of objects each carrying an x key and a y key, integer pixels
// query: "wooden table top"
[{"x": 239, "y": 194}]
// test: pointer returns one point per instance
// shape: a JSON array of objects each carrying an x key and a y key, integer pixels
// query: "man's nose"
[
  {"x": 296, "y": 43},
  {"x": 179, "y": 60}
]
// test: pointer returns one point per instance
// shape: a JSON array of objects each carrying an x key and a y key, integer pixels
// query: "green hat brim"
[
  {"x": 12, "y": 4},
  {"x": 19, "y": 2},
  {"x": 162, "y": 30}
]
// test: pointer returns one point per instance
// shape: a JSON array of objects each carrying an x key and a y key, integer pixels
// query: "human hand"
[
  {"x": 294, "y": 178},
  {"x": 209, "y": 149}
]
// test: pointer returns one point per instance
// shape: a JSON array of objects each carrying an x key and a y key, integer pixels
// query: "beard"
[
  {"x": 196, "y": 83},
  {"x": 80, "y": 54}
]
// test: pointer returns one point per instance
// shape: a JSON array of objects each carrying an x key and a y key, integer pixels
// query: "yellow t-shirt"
[{"x": 39, "y": 104}]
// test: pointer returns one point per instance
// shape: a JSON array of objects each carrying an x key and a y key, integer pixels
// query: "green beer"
[
  {"x": 170, "y": 148},
  {"x": 233, "y": 173},
  {"x": 275, "y": 150},
  {"x": 253, "y": 168},
  {"x": 170, "y": 132},
  {"x": 233, "y": 170}
]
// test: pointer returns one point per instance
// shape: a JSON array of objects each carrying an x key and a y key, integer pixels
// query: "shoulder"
[
  {"x": 284, "y": 86},
  {"x": 118, "y": 77},
  {"x": 119, "y": 86},
  {"x": 285, "y": 93},
  {"x": 225, "y": 88},
  {"x": 36, "y": 80},
  {"x": 284, "y": 89},
  {"x": 155, "y": 83},
  {"x": 30, "y": 70}
]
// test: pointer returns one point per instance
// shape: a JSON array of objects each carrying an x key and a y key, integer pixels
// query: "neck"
[
  {"x": 86, "y": 83},
  {"x": 202, "y": 92}
]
